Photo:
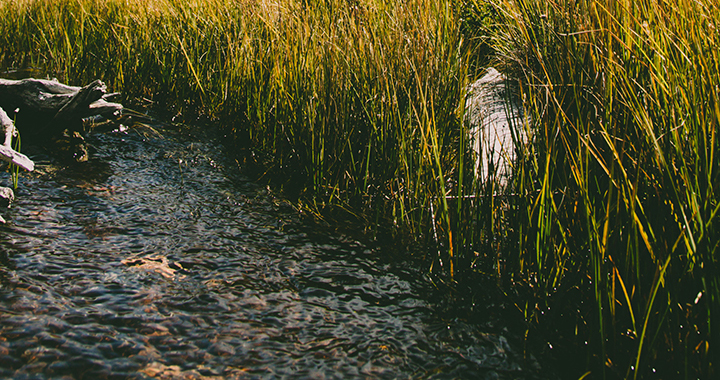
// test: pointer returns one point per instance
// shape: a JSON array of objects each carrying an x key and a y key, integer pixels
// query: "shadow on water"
[{"x": 152, "y": 260}]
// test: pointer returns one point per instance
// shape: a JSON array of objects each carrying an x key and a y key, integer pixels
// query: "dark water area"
[{"x": 155, "y": 259}]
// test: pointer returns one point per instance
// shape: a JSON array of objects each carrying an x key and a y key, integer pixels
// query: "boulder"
[{"x": 496, "y": 126}]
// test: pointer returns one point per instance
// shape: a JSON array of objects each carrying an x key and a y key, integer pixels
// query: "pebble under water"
[{"x": 153, "y": 260}]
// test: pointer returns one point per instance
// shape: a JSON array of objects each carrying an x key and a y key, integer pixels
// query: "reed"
[
  {"x": 617, "y": 225},
  {"x": 350, "y": 107}
]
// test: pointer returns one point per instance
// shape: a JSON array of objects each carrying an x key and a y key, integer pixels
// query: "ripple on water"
[{"x": 152, "y": 261}]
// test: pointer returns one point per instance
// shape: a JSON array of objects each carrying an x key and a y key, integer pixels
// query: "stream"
[{"x": 156, "y": 259}]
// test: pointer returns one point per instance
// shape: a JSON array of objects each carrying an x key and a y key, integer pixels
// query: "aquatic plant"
[{"x": 15, "y": 169}]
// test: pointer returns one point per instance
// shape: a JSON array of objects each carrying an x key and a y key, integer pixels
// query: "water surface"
[{"x": 155, "y": 260}]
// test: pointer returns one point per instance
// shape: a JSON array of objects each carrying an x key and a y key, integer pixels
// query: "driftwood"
[
  {"x": 46, "y": 109},
  {"x": 7, "y": 153},
  {"x": 53, "y": 101}
]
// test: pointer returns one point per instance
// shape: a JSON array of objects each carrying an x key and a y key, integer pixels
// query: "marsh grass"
[
  {"x": 618, "y": 232},
  {"x": 350, "y": 107}
]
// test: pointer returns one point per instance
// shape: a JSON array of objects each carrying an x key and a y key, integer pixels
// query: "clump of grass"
[
  {"x": 348, "y": 105},
  {"x": 14, "y": 169},
  {"x": 616, "y": 234}
]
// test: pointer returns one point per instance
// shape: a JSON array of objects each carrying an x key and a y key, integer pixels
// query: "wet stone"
[{"x": 7, "y": 196}]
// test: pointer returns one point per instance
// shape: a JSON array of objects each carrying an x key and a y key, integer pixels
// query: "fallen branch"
[
  {"x": 47, "y": 110},
  {"x": 50, "y": 102},
  {"x": 7, "y": 153}
]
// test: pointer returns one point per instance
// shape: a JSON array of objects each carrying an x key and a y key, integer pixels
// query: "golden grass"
[{"x": 348, "y": 105}]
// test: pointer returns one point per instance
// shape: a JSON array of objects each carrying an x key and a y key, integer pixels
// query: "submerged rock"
[{"x": 157, "y": 264}]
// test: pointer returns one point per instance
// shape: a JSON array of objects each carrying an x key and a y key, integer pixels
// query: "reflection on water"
[{"x": 152, "y": 261}]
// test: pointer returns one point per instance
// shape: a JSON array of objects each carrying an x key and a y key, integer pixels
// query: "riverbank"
[{"x": 356, "y": 108}]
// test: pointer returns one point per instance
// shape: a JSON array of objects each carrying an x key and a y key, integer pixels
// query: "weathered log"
[
  {"x": 47, "y": 111},
  {"x": 49, "y": 104},
  {"x": 10, "y": 155},
  {"x": 51, "y": 96},
  {"x": 88, "y": 101},
  {"x": 7, "y": 196}
]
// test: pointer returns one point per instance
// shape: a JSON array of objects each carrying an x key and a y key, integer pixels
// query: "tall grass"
[
  {"x": 617, "y": 229},
  {"x": 353, "y": 105}
]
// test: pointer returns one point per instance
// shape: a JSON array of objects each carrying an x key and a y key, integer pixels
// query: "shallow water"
[{"x": 154, "y": 260}]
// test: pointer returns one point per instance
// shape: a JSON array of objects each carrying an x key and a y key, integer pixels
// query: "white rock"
[{"x": 496, "y": 127}]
